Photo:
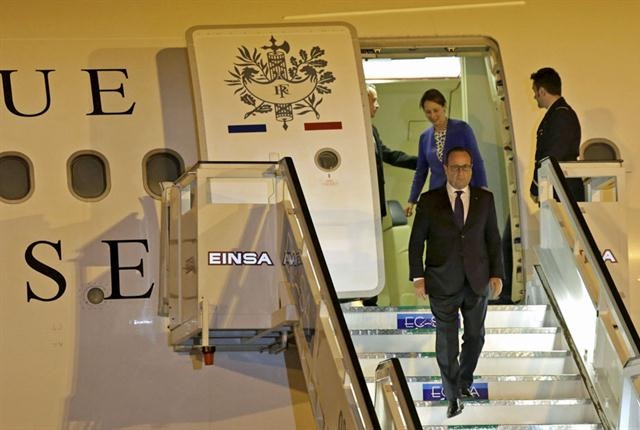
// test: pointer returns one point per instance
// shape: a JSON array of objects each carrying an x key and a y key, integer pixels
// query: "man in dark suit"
[
  {"x": 383, "y": 153},
  {"x": 559, "y": 131},
  {"x": 558, "y": 136},
  {"x": 463, "y": 266}
]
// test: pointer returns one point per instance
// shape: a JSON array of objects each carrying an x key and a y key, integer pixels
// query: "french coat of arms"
[{"x": 283, "y": 83}]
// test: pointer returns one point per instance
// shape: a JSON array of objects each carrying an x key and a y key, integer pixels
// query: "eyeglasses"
[{"x": 466, "y": 168}]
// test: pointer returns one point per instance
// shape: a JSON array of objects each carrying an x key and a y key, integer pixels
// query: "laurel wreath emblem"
[{"x": 282, "y": 83}]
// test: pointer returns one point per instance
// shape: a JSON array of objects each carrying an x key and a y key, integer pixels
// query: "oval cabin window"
[
  {"x": 88, "y": 176},
  {"x": 16, "y": 178},
  {"x": 161, "y": 166}
]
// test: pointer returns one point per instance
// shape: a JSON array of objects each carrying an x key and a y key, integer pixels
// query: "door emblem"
[{"x": 284, "y": 84}]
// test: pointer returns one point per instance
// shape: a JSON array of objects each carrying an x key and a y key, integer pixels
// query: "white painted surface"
[{"x": 344, "y": 203}]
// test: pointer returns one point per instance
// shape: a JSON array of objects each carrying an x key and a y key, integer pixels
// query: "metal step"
[
  {"x": 529, "y": 378},
  {"x": 505, "y": 387},
  {"x": 369, "y": 317},
  {"x": 517, "y": 427},
  {"x": 506, "y": 412},
  {"x": 421, "y": 340},
  {"x": 490, "y": 363}
]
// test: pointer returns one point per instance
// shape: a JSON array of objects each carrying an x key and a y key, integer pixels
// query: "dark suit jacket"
[
  {"x": 558, "y": 136},
  {"x": 395, "y": 158},
  {"x": 473, "y": 252}
]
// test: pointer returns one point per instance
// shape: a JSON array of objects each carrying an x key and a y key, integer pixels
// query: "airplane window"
[
  {"x": 16, "y": 177},
  {"x": 88, "y": 175},
  {"x": 161, "y": 166},
  {"x": 599, "y": 149},
  {"x": 327, "y": 159}
]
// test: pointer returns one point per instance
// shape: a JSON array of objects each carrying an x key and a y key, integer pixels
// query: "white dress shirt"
[{"x": 465, "y": 196}]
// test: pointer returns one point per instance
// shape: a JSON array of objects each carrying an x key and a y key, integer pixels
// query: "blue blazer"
[{"x": 459, "y": 133}]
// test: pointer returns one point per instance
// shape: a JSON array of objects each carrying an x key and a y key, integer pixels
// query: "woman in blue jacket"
[{"x": 434, "y": 144}]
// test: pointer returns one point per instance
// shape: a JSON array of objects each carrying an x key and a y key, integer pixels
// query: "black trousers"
[{"x": 458, "y": 373}]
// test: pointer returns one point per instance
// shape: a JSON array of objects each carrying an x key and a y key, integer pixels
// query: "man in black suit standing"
[
  {"x": 558, "y": 136},
  {"x": 383, "y": 153},
  {"x": 462, "y": 268},
  {"x": 559, "y": 132}
]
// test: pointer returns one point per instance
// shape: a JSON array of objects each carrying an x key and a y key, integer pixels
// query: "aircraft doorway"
[{"x": 468, "y": 72}]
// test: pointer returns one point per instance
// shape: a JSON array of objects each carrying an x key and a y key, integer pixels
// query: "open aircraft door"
[
  {"x": 254, "y": 251},
  {"x": 267, "y": 92}
]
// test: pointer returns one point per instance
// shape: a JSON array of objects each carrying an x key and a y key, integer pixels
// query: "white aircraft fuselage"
[{"x": 112, "y": 79}]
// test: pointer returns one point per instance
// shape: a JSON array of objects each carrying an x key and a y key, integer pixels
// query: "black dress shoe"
[
  {"x": 370, "y": 301},
  {"x": 466, "y": 393},
  {"x": 455, "y": 408}
]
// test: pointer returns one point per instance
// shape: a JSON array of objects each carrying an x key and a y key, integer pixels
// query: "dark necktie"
[{"x": 458, "y": 210}]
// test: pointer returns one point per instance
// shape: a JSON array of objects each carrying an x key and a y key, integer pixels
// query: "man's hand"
[
  {"x": 408, "y": 211},
  {"x": 420, "y": 288},
  {"x": 496, "y": 288}
]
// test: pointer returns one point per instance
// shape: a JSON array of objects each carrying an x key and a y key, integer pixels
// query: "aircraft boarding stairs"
[
  {"x": 568, "y": 359},
  {"x": 569, "y": 362},
  {"x": 526, "y": 375}
]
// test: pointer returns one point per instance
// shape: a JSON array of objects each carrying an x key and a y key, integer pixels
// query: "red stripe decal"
[{"x": 333, "y": 125}]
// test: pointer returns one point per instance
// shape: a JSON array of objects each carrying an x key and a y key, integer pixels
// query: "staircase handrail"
[
  {"x": 393, "y": 402},
  {"x": 328, "y": 293},
  {"x": 551, "y": 169},
  {"x": 617, "y": 399}
]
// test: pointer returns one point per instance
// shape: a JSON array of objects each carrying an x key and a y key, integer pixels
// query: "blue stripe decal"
[
  {"x": 480, "y": 391},
  {"x": 411, "y": 321},
  {"x": 248, "y": 128}
]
